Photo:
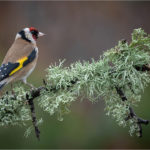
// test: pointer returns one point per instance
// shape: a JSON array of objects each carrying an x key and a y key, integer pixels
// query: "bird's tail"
[{"x": 2, "y": 85}]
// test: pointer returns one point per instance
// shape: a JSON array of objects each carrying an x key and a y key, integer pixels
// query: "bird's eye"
[{"x": 34, "y": 33}]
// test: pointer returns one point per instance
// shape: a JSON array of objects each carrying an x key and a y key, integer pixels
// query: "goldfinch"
[{"x": 21, "y": 58}]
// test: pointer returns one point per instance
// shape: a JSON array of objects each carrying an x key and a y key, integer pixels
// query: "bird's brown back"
[{"x": 18, "y": 50}]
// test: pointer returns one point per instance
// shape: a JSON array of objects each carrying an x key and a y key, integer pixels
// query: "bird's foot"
[{"x": 31, "y": 86}]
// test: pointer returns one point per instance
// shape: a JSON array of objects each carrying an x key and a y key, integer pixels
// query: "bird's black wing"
[
  {"x": 31, "y": 57},
  {"x": 10, "y": 68}
]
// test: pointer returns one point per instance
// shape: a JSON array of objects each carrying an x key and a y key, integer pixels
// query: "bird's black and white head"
[{"x": 29, "y": 34}]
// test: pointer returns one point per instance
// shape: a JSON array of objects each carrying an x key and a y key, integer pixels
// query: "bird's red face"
[{"x": 35, "y": 33}]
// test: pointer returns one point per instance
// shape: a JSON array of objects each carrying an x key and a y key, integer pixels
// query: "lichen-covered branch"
[
  {"x": 33, "y": 115},
  {"x": 119, "y": 76}
]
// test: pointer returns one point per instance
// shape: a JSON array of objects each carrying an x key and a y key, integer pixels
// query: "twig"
[
  {"x": 32, "y": 108},
  {"x": 142, "y": 68},
  {"x": 120, "y": 92}
]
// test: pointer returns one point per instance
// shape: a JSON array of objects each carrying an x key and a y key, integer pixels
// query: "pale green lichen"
[{"x": 13, "y": 108}]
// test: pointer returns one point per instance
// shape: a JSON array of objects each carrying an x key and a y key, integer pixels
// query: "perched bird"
[{"x": 21, "y": 58}]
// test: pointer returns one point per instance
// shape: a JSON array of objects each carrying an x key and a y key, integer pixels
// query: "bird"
[{"x": 21, "y": 58}]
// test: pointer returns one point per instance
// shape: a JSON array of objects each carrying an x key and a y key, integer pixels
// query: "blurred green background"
[{"x": 75, "y": 31}]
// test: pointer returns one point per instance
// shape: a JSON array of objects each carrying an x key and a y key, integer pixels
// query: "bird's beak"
[{"x": 40, "y": 34}]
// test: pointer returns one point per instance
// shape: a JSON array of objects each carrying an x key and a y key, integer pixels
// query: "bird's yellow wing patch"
[{"x": 20, "y": 61}]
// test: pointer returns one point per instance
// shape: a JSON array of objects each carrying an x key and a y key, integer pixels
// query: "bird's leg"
[{"x": 30, "y": 85}]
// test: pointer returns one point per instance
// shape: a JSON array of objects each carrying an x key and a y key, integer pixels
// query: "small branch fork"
[
  {"x": 132, "y": 114},
  {"x": 34, "y": 94}
]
